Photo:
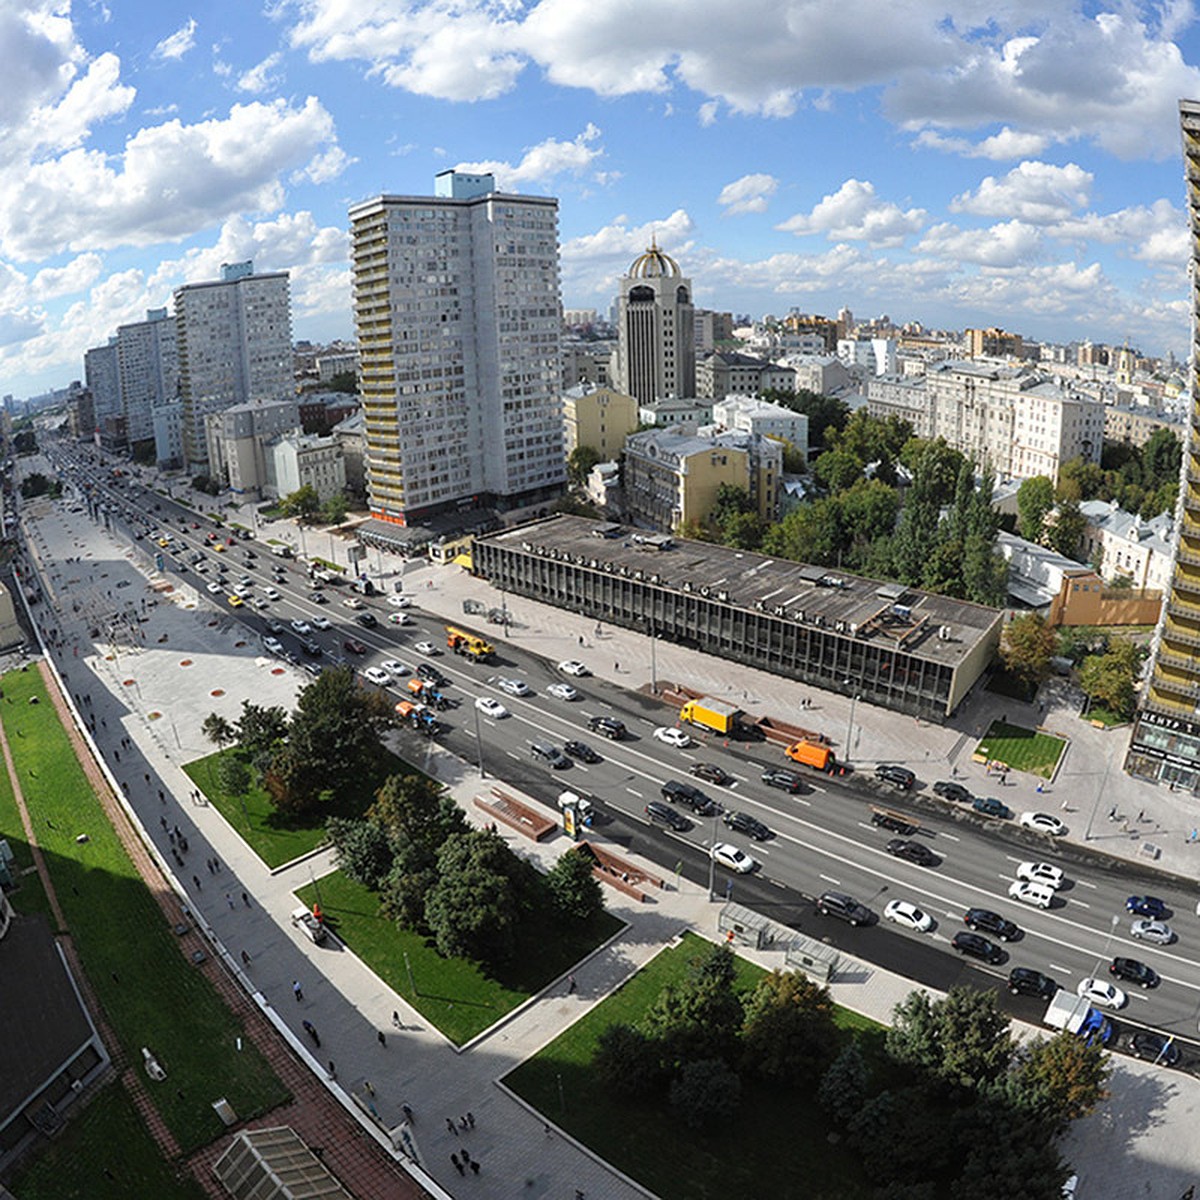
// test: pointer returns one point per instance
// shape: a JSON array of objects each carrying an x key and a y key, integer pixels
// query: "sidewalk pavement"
[{"x": 351, "y": 1006}]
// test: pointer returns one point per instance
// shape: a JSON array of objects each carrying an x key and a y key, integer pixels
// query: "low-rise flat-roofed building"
[
  {"x": 748, "y": 414},
  {"x": 664, "y": 413},
  {"x": 298, "y": 460},
  {"x": 236, "y": 438},
  {"x": 727, "y": 373},
  {"x": 907, "y": 650}
]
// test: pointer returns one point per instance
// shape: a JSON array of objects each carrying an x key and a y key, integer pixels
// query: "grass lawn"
[
  {"x": 1105, "y": 717},
  {"x": 275, "y": 837},
  {"x": 150, "y": 993},
  {"x": 108, "y": 1135},
  {"x": 1022, "y": 749},
  {"x": 777, "y": 1144},
  {"x": 29, "y": 897},
  {"x": 452, "y": 993}
]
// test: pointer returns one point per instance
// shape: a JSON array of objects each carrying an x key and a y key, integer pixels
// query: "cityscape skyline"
[{"x": 1019, "y": 169}]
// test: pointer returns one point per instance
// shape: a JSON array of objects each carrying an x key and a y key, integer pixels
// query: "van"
[
  {"x": 549, "y": 754},
  {"x": 900, "y": 777}
]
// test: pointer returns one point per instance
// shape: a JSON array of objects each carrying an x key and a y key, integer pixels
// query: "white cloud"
[
  {"x": 1000, "y": 147},
  {"x": 855, "y": 213},
  {"x": 707, "y": 113},
  {"x": 262, "y": 76},
  {"x": 1154, "y": 234},
  {"x": 179, "y": 43},
  {"x": 81, "y": 272},
  {"x": 544, "y": 162},
  {"x": 1005, "y": 245},
  {"x": 750, "y": 194},
  {"x": 1033, "y": 191},
  {"x": 592, "y": 262}
]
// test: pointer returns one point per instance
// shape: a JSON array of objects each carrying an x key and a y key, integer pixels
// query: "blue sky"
[{"x": 1008, "y": 163}]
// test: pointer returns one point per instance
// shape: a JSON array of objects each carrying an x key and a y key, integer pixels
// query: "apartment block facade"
[
  {"x": 598, "y": 417},
  {"x": 103, "y": 379},
  {"x": 457, "y": 312},
  {"x": 148, "y": 367}
]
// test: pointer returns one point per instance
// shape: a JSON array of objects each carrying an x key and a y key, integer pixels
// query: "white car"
[
  {"x": 733, "y": 858},
  {"x": 300, "y": 627},
  {"x": 308, "y": 925},
  {"x": 908, "y": 916},
  {"x": 272, "y": 594},
  {"x": 378, "y": 675},
  {"x": 215, "y": 588},
  {"x": 673, "y": 737},
  {"x": 400, "y": 601},
  {"x": 1100, "y": 991},
  {"x": 320, "y": 623},
  {"x": 272, "y": 645},
  {"x": 261, "y": 602},
  {"x": 562, "y": 691},
  {"x": 400, "y": 618},
  {"x": 572, "y": 667},
  {"x": 491, "y": 707},
  {"x": 1040, "y": 872},
  {"x": 353, "y": 602},
  {"x": 396, "y": 669},
  {"x": 427, "y": 648},
  {"x": 1158, "y": 932},
  {"x": 1040, "y": 895},
  {"x": 514, "y": 687},
  {"x": 1043, "y": 823},
  {"x": 242, "y": 589}
]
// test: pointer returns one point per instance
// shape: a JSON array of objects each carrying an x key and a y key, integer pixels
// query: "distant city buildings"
[
  {"x": 148, "y": 369},
  {"x": 237, "y": 437},
  {"x": 101, "y": 373},
  {"x": 656, "y": 330},
  {"x": 727, "y": 372},
  {"x": 748, "y": 414}
]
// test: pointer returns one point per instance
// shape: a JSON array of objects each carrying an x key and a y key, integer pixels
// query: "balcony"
[
  {"x": 1181, "y": 636},
  {"x": 1150, "y": 704},
  {"x": 1188, "y": 612},
  {"x": 1186, "y": 582},
  {"x": 1185, "y": 555},
  {"x": 1179, "y": 687},
  {"x": 1191, "y": 502}
]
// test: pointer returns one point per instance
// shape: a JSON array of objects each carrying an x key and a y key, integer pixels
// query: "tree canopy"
[{"x": 1026, "y": 647}]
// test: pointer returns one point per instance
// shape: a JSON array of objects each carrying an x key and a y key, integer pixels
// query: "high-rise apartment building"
[
  {"x": 458, "y": 318},
  {"x": 103, "y": 381},
  {"x": 148, "y": 366},
  {"x": 1165, "y": 744},
  {"x": 656, "y": 350},
  {"x": 235, "y": 346}
]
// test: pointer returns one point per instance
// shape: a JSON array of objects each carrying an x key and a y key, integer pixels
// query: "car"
[
  {"x": 562, "y": 691},
  {"x": 320, "y": 622},
  {"x": 1042, "y": 823},
  {"x": 991, "y": 922},
  {"x": 782, "y": 778},
  {"x": 1129, "y": 970},
  {"x": 893, "y": 821},
  {"x": 235, "y": 601},
  {"x": 742, "y": 822},
  {"x": 272, "y": 645},
  {"x": 301, "y": 627},
  {"x": 245, "y": 581},
  {"x": 318, "y": 597},
  {"x": 845, "y": 908},
  {"x": 913, "y": 852},
  {"x": 311, "y": 926},
  {"x": 989, "y": 806},
  {"x": 581, "y": 751},
  {"x": 1158, "y": 932},
  {"x": 514, "y": 687},
  {"x": 656, "y": 810},
  {"x": 354, "y": 646},
  {"x": 679, "y": 792},
  {"x": 1040, "y": 895},
  {"x": 1041, "y": 872},
  {"x": 672, "y": 737},
  {"x": 550, "y": 754},
  {"x": 398, "y": 601},
  {"x": 726, "y": 855},
  {"x": 711, "y": 773},
  {"x": 353, "y": 602},
  {"x": 377, "y": 675},
  {"x": 1155, "y": 1047},
  {"x": 367, "y": 620},
  {"x": 1025, "y": 981},
  {"x": 272, "y": 593},
  {"x": 215, "y": 589},
  {"x": 275, "y": 626},
  {"x": 399, "y": 618},
  {"x": 572, "y": 667},
  {"x": 900, "y": 777},
  {"x": 427, "y": 648},
  {"x": 491, "y": 707},
  {"x": 610, "y": 727},
  {"x": 430, "y": 673},
  {"x": 261, "y": 602},
  {"x": 1100, "y": 991},
  {"x": 311, "y": 648},
  {"x": 242, "y": 590},
  {"x": 949, "y": 790},
  {"x": 907, "y": 915},
  {"x": 1147, "y": 906},
  {"x": 977, "y": 947},
  {"x": 397, "y": 670}
]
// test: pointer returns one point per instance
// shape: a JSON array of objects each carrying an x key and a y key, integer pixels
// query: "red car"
[{"x": 354, "y": 646}]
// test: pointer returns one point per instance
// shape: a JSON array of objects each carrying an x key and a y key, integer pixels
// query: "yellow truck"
[
  {"x": 726, "y": 719},
  {"x": 469, "y": 645}
]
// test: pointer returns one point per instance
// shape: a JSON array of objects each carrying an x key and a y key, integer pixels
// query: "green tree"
[
  {"x": 259, "y": 730},
  {"x": 788, "y": 1030},
  {"x": 34, "y": 484},
  {"x": 838, "y": 468},
  {"x": 574, "y": 890},
  {"x": 334, "y": 510},
  {"x": 699, "y": 1017},
  {"x": 824, "y": 412},
  {"x": 1026, "y": 647},
  {"x": 985, "y": 572},
  {"x": 795, "y": 461},
  {"x": 344, "y": 381},
  {"x": 580, "y": 462},
  {"x": 25, "y": 442},
  {"x": 1161, "y": 457},
  {"x": 1066, "y": 531},
  {"x": 844, "y": 1085},
  {"x": 811, "y": 533},
  {"x": 233, "y": 775},
  {"x": 1035, "y": 499},
  {"x": 303, "y": 502},
  {"x": 704, "y": 1092},
  {"x": 1110, "y": 679},
  {"x": 868, "y": 511},
  {"x": 416, "y": 809},
  {"x": 743, "y": 531},
  {"x": 472, "y": 909},
  {"x": 362, "y": 849},
  {"x": 628, "y": 1061},
  {"x": 1059, "y": 1080},
  {"x": 218, "y": 730},
  {"x": 917, "y": 534},
  {"x": 962, "y": 1040},
  {"x": 941, "y": 464},
  {"x": 1079, "y": 480}
]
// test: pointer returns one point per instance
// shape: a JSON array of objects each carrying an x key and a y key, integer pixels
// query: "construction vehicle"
[
  {"x": 470, "y": 645},
  {"x": 418, "y": 716},
  {"x": 813, "y": 754},
  {"x": 425, "y": 692},
  {"x": 1075, "y": 1015},
  {"x": 726, "y": 719}
]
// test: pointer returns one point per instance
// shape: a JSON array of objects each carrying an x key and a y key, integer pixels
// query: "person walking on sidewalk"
[{"x": 297, "y": 990}]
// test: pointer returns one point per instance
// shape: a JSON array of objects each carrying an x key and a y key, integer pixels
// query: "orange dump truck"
[{"x": 813, "y": 754}]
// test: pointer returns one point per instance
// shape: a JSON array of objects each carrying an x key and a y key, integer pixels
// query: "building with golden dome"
[{"x": 656, "y": 347}]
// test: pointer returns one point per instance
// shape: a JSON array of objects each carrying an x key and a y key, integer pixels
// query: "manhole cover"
[
  {"x": 217, "y": 692},
  {"x": 185, "y": 662}
]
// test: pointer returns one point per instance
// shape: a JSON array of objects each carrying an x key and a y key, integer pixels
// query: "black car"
[
  {"x": 990, "y": 922},
  {"x": 900, "y": 777},
  {"x": 312, "y": 648},
  {"x": 1132, "y": 971},
  {"x": 846, "y": 908},
  {"x": 430, "y": 673},
  {"x": 366, "y": 620},
  {"x": 952, "y": 791},
  {"x": 678, "y": 792},
  {"x": 711, "y": 773},
  {"x": 977, "y": 947},
  {"x": 318, "y": 597},
  {"x": 551, "y": 754},
  {"x": 610, "y": 727},
  {"x": 1025, "y": 981},
  {"x": 780, "y": 777},
  {"x": 892, "y": 821},
  {"x": 913, "y": 852},
  {"x": 1156, "y": 1047},
  {"x": 745, "y": 823},
  {"x": 656, "y": 810},
  {"x": 582, "y": 751}
]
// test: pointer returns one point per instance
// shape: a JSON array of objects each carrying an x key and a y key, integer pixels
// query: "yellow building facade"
[{"x": 599, "y": 417}]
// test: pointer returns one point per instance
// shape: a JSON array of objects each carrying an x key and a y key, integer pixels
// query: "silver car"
[{"x": 1158, "y": 932}]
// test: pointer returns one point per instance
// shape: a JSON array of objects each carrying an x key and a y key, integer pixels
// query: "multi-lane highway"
[{"x": 822, "y": 838}]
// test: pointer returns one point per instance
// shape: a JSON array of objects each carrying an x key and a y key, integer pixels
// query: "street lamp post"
[
  {"x": 653, "y": 663},
  {"x": 479, "y": 745},
  {"x": 850, "y": 725},
  {"x": 712, "y": 862}
]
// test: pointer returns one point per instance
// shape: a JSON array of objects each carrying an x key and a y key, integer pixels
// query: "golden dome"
[{"x": 654, "y": 264}]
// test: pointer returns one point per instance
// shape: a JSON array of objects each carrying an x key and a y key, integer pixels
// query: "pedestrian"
[
  {"x": 311, "y": 1030},
  {"x": 332, "y": 1070},
  {"x": 369, "y": 1086},
  {"x": 1112, "y": 813},
  {"x": 229, "y": 900},
  {"x": 178, "y": 857},
  {"x": 1141, "y": 815},
  {"x": 475, "y": 1166},
  {"x": 1039, "y": 789},
  {"x": 571, "y": 984},
  {"x": 457, "y": 1165},
  {"x": 245, "y": 959},
  {"x": 470, "y": 1121},
  {"x": 245, "y": 900},
  {"x": 408, "y": 1113},
  {"x": 462, "y": 1122},
  {"x": 616, "y": 666},
  {"x": 381, "y": 1038},
  {"x": 465, "y": 1156},
  {"x": 183, "y": 844},
  {"x": 161, "y": 797},
  {"x": 451, "y": 1126},
  {"x": 396, "y": 1019},
  {"x": 1195, "y": 834},
  {"x": 208, "y": 864},
  {"x": 163, "y": 822},
  {"x": 216, "y": 864},
  {"x": 117, "y": 755},
  {"x": 297, "y": 990}
]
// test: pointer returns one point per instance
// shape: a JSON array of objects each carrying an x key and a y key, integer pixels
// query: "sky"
[{"x": 1005, "y": 163}]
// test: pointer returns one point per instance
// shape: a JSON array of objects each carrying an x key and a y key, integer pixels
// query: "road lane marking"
[
  {"x": 830, "y": 879},
  {"x": 633, "y": 792}
]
